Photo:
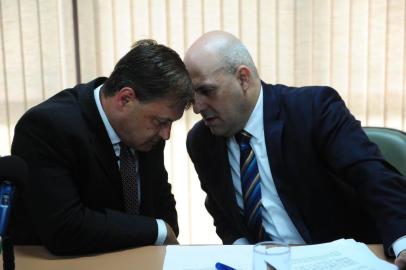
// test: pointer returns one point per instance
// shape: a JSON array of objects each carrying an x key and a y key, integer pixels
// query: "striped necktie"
[
  {"x": 251, "y": 188},
  {"x": 128, "y": 171}
]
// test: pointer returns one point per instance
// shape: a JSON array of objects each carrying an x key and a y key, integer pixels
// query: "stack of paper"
[
  {"x": 337, "y": 255},
  {"x": 340, "y": 254}
]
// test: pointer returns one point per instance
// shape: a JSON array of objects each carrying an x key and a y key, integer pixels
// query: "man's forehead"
[
  {"x": 202, "y": 60},
  {"x": 169, "y": 115},
  {"x": 208, "y": 76}
]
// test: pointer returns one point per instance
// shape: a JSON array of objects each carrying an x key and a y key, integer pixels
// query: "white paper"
[
  {"x": 337, "y": 255},
  {"x": 206, "y": 257}
]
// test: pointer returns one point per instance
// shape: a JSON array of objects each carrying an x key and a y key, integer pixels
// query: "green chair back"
[{"x": 392, "y": 143}]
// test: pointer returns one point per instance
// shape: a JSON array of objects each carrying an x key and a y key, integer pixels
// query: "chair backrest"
[{"x": 392, "y": 143}]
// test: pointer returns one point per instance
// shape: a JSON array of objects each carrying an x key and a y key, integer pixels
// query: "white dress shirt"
[
  {"x": 115, "y": 141},
  {"x": 398, "y": 246},
  {"x": 276, "y": 221}
]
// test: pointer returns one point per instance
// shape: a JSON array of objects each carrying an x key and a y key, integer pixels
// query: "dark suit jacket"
[
  {"x": 73, "y": 202},
  {"x": 326, "y": 171}
]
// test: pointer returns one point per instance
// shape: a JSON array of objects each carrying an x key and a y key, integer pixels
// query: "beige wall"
[{"x": 357, "y": 46}]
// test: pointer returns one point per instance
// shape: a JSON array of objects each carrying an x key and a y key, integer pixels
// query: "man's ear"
[
  {"x": 125, "y": 96},
  {"x": 243, "y": 75}
]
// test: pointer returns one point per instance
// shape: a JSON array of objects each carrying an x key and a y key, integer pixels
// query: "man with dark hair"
[
  {"x": 285, "y": 163},
  {"x": 95, "y": 153}
]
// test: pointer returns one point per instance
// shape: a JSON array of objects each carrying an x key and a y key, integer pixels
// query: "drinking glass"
[{"x": 271, "y": 255}]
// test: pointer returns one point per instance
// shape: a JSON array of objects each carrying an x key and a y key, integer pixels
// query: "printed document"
[{"x": 337, "y": 255}]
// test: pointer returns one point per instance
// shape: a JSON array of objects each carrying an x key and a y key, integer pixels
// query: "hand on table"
[
  {"x": 170, "y": 237},
  {"x": 401, "y": 260}
]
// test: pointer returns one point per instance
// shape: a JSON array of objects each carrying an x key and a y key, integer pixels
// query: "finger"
[{"x": 401, "y": 260}]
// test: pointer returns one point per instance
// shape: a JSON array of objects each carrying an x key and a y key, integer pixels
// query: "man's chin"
[
  {"x": 144, "y": 149},
  {"x": 219, "y": 131},
  {"x": 216, "y": 131},
  {"x": 146, "y": 146}
]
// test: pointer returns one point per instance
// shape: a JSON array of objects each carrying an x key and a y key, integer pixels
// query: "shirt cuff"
[
  {"x": 399, "y": 245},
  {"x": 162, "y": 232},
  {"x": 241, "y": 241}
]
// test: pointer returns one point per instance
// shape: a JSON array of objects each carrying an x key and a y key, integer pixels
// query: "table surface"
[{"x": 146, "y": 258}]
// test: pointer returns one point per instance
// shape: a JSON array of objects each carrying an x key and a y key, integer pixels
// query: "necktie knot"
[{"x": 243, "y": 138}]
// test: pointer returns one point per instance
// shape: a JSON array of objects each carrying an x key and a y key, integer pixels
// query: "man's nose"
[
  {"x": 165, "y": 131},
  {"x": 198, "y": 104}
]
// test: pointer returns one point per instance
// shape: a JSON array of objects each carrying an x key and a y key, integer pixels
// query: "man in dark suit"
[
  {"x": 284, "y": 163},
  {"x": 95, "y": 153}
]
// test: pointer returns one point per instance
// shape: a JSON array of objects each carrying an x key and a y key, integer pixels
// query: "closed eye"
[{"x": 206, "y": 90}]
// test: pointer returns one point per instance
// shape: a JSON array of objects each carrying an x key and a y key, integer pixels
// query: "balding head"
[
  {"x": 220, "y": 49},
  {"x": 225, "y": 80}
]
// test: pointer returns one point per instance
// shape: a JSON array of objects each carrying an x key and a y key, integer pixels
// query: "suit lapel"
[
  {"x": 98, "y": 137},
  {"x": 223, "y": 185},
  {"x": 147, "y": 190},
  {"x": 273, "y": 129},
  {"x": 148, "y": 164}
]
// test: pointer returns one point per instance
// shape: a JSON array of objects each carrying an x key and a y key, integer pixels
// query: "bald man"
[{"x": 285, "y": 163}]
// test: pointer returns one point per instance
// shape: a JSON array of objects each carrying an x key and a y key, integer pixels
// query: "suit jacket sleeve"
[
  {"x": 348, "y": 152},
  {"x": 226, "y": 227},
  {"x": 65, "y": 225},
  {"x": 164, "y": 201}
]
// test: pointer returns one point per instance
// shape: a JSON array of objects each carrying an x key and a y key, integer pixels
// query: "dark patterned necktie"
[
  {"x": 251, "y": 188},
  {"x": 128, "y": 171}
]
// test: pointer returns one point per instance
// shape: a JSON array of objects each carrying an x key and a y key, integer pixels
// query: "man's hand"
[
  {"x": 401, "y": 260},
  {"x": 170, "y": 236}
]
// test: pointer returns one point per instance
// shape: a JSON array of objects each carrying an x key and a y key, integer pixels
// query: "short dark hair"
[{"x": 153, "y": 71}]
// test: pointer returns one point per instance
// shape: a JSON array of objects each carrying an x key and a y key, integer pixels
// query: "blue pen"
[{"x": 221, "y": 266}]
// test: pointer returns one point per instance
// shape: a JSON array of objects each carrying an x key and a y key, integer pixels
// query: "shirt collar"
[
  {"x": 255, "y": 125},
  {"x": 110, "y": 131}
]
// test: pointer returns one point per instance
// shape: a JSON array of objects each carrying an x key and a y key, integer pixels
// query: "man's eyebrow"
[
  {"x": 199, "y": 87},
  {"x": 203, "y": 87}
]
